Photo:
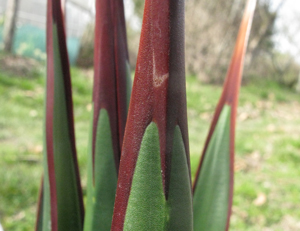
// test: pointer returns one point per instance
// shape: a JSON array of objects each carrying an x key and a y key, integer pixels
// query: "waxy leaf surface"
[
  {"x": 158, "y": 99},
  {"x": 213, "y": 186},
  {"x": 112, "y": 88},
  {"x": 62, "y": 196}
]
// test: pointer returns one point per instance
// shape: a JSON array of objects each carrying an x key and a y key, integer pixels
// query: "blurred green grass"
[{"x": 267, "y": 178}]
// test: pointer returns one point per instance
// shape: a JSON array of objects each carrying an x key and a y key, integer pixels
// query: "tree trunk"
[
  {"x": 10, "y": 24},
  {"x": 85, "y": 56},
  {"x": 298, "y": 84}
]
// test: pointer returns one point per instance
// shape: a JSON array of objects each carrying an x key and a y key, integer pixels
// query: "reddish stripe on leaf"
[
  {"x": 55, "y": 17},
  {"x": 49, "y": 115},
  {"x": 236, "y": 70},
  {"x": 110, "y": 58},
  {"x": 104, "y": 74},
  {"x": 158, "y": 94},
  {"x": 68, "y": 91},
  {"x": 121, "y": 56},
  {"x": 231, "y": 92},
  {"x": 39, "y": 212}
]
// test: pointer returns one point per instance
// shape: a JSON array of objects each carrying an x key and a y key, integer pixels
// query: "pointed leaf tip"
[{"x": 213, "y": 186}]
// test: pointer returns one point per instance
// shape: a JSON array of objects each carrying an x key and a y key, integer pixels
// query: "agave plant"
[
  {"x": 139, "y": 174},
  {"x": 213, "y": 186},
  {"x": 154, "y": 171},
  {"x": 61, "y": 204}
]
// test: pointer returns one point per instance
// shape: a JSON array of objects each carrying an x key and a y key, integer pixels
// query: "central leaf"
[{"x": 146, "y": 206}]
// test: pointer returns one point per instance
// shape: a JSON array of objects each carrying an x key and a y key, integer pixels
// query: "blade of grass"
[{"x": 213, "y": 186}]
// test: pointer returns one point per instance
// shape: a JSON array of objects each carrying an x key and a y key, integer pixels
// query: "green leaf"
[
  {"x": 62, "y": 197},
  {"x": 101, "y": 196},
  {"x": 128, "y": 84},
  {"x": 180, "y": 189},
  {"x": 89, "y": 207},
  {"x": 39, "y": 222},
  {"x": 146, "y": 208},
  {"x": 211, "y": 196},
  {"x": 158, "y": 96},
  {"x": 46, "y": 216},
  {"x": 213, "y": 187},
  {"x": 111, "y": 94},
  {"x": 68, "y": 198}
]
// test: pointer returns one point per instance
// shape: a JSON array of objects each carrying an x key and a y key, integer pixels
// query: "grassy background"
[{"x": 267, "y": 169}]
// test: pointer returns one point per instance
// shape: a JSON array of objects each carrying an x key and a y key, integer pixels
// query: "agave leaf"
[
  {"x": 148, "y": 208},
  {"x": 40, "y": 209},
  {"x": 213, "y": 186},
  {"x": 111, "y": 94},
  {"x": 147, "y": 183},
  {"x": 152, "y": 181},
  {"x": 62, "y": 196},
  {"x": 179, "y": 201},
  {"x": 101, "y": 194}
]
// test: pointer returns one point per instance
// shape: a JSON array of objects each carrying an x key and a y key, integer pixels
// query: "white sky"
[
  {"x": 288, "y": 26},
  {"x": 133, "y": 20}
]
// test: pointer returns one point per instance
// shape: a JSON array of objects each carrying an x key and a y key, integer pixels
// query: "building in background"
[{"x": 30, "y": 35}]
